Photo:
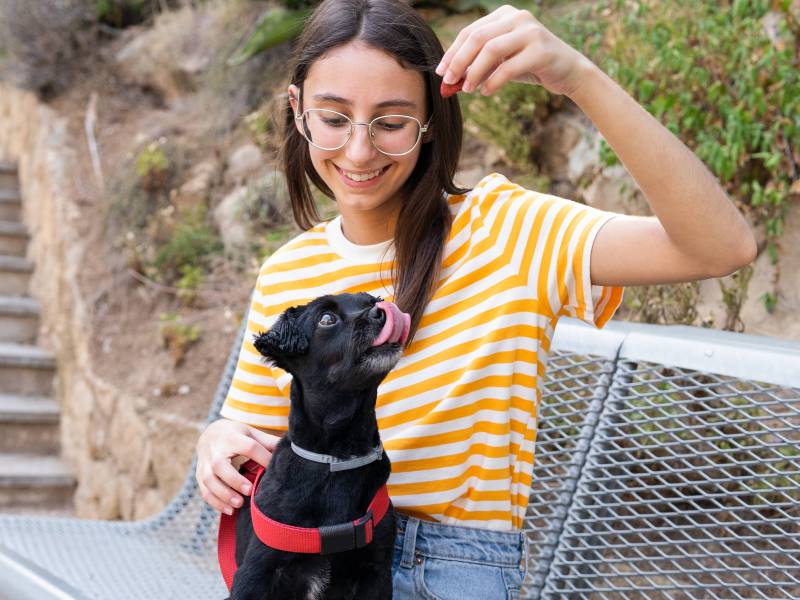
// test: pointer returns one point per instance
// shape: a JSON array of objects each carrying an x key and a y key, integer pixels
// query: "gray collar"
[{"x": 339, "y": 464}]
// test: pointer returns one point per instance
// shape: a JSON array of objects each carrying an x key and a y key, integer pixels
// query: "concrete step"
[
  {"x": 26, "y": 370},
  {"x": 13, "y": 238},
  {"x": 15, "y": 275},
  {"x": 45, "y": 482},
  {"x": 19, "y": 319},
  {"x": 29, "y": 424},
  {"x": 10, "y": 206},
  {"x": 8, "y": 176}
]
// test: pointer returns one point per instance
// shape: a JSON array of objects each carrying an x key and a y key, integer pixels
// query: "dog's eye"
[{"x": 327, "y": 319}]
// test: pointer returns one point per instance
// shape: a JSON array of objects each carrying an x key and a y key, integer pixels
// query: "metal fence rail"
[
  {"x": 691, "y": 487},
  {"x": 667, "y": 466}
]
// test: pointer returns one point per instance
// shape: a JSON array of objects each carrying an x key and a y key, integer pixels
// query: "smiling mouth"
[{"x": 363, "y": 176}]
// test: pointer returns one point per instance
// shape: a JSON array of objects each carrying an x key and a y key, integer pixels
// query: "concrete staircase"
[{"x": 33, "y": 478}]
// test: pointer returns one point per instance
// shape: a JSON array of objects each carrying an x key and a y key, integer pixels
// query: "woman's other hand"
[
  {"x": 512, "y": 45},
  {"x": 220, "y": 482}
]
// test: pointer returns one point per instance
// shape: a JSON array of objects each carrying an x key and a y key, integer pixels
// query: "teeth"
[{"x": 362, "y": 177}]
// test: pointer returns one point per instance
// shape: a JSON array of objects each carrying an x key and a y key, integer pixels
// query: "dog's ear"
[{"x": 284, "y": 339}]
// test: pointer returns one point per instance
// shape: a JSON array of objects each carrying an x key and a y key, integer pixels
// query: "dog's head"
[{"x": 343, "y": 341}]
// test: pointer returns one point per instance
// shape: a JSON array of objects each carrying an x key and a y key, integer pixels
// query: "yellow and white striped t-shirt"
[{"x": 457, "y": 415}]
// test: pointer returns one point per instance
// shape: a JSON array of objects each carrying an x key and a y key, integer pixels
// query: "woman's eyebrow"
[{"x": 385, "y": 103}]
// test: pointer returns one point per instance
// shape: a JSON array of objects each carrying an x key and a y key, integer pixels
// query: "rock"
[
  {"x": 244, "y": 162},
  {"x": 614, "y": 190},
  {"x": 170, "y": 56},
  {"x": 148, "y": 503},
  {"x": 194, "y": 192},
  {"x": 556, "y": 141},
  {"x": 129, "y": 433},
  {"x": 126, "y": 494},
  {"x": 469, "y": 177},
  {"x": 273, "y": 191},
  {"x": 771, "y": 24},
  {"x": 584, "y": 158},
  {"x": 228, "y": 216},
  {"x": 247, "y": 212},
  {"x": 173, "y": 443},
  {"x": 783, "y": 322},
  {"x": 98, "y": 495}
]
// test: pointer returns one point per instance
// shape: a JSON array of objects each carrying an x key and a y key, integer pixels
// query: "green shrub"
[
  {"x": 711, "y": 73},
  {"x": 190, "y": 243},
  {"x": 122, "y": 13},
  {"x": 152, "y": 167},
  {"x": 506, "y": 118},
  {"x": 176, "y": 336},
  {"x": 192, "y": 277},
  {"x": 43, "y": 41}
]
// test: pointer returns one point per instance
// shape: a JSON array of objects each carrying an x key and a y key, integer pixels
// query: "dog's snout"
[{"x": 377, "y": 314}]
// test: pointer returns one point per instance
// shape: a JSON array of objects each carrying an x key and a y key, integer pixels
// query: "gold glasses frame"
[{"x": 421, "y": 130}]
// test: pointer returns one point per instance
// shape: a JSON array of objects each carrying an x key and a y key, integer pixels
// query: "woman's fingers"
[
  {"x": 471, "y": 46},
  {"x": 513, "y": 68},
  {"x": 491, "y": 56},
  {"x": 464, "y": 34},
  {"x": 219, "y": 495},
  {"x": 267, "y": 443},
  {"x": 220, "y": 483}
]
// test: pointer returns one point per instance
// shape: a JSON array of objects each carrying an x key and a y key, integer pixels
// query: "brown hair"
[{"x": 423, "y": 224}]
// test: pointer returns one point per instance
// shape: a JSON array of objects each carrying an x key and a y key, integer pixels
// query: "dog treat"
[{"x": 449, "y": 89}]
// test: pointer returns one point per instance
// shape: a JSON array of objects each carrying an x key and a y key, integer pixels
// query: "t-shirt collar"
[{"x": 368, "y": 254}]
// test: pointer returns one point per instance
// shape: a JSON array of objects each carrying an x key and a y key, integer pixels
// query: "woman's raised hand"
[
  {"x": 219, "y": 481},
  {"x": 511, "y": 45}
]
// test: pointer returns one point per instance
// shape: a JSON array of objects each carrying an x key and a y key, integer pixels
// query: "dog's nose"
[{"x": 377, "y": 314}]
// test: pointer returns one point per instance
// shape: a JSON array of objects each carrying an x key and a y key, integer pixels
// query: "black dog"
[{"x": 338, "y": 349}]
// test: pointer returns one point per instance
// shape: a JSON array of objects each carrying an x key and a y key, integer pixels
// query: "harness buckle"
[{"x": 346, "y": 536}]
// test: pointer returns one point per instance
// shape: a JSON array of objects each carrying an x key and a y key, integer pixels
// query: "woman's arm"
[{"x": 697, "y": 232}]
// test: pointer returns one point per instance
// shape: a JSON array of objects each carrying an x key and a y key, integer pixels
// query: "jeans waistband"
[{"x": 436, "y": 540}]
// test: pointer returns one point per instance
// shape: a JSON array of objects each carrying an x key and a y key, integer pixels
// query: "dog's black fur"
[{"x": 336, "y": 372}]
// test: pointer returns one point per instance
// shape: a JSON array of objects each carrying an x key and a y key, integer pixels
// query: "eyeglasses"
[{"x": 394, "y": 135}]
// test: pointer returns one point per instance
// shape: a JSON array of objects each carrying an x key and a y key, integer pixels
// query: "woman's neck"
[{"x": 368, "y": 228}]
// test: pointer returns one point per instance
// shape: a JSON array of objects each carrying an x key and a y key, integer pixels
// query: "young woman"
[{"x": 484, "y": 273}]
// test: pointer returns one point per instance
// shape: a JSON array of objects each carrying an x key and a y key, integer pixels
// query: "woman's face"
[{"x": 354, "y": 79}]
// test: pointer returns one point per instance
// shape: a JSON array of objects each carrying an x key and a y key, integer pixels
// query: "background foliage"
[{"x": 724, "y": 75}]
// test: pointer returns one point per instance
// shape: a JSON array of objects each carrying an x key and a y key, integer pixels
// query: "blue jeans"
[{"x": 447, "y": 562}]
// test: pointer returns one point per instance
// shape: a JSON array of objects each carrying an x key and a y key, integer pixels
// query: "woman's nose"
[{"x": 359, "y": 148}]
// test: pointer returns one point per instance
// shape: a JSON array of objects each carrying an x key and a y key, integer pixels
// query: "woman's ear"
[
  {"x": 294, "y": 95},
  {"x": 294, "y": 101}
]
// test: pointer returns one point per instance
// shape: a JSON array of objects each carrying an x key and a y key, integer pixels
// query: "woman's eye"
[{"x": 327, "y": 319}]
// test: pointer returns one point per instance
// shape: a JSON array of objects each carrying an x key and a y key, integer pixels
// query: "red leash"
[{"x": 309, "y": 540}]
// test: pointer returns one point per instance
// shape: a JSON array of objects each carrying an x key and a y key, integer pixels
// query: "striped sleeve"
[
  {"x": 259, "y": 394},
  {"x": 571, "y": 228},
  {"x": 551, "y": 240}
]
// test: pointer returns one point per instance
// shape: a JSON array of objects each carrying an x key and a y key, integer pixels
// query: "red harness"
[{"x": 309, "y": 540}]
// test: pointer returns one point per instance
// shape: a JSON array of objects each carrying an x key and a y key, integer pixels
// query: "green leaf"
[{"x": 275, "y": 27}]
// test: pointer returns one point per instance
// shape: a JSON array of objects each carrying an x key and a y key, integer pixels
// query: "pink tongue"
[{"x": 396, "y": 327}]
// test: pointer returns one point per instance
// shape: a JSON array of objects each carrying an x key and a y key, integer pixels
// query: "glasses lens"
[
  {"x": 325, "y": 128},
  {"x": 329, "y": 130},
  {"x": 395, "y": 134}
]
